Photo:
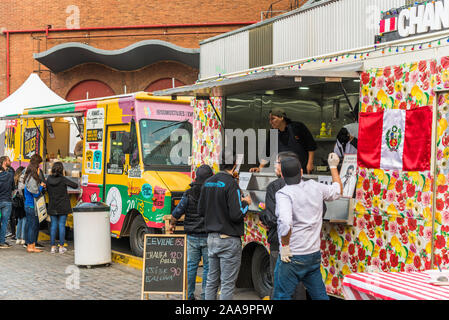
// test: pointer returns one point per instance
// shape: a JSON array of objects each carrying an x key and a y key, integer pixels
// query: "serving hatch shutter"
[{"x": 261, "y": 46}]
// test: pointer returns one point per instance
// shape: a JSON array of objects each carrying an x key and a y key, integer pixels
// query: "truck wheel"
[
  {"x": 260, "y": 270},
  {"x": 137, "y": 235}
]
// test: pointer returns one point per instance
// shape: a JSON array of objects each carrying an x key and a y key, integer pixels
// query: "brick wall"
[{"x": 38, "y": 14}]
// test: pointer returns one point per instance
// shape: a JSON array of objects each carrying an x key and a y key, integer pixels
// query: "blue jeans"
[
  {"x": 5, "y": 211},
  {"x": 20, "y": 233},
  {"x": 32, "y": 226},
  {"x": 225, "y": 256},
  {"x": 196, "y": 248},
  {"x": 305, "y": 268},
  {"x": 58, "y": 223}
]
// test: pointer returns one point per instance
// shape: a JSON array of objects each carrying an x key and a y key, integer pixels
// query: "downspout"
[{"x": 7, "y": 64}]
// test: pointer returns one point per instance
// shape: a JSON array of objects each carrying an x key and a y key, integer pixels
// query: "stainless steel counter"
[{"x": 255, "y": 184}]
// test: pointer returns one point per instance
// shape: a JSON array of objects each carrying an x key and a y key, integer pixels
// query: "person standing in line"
[
  {"x": 59, "y": 204},
  {"x": 37, "y": 159},
  {"x": 269, "y": 219},
  {"x": 194, "y": 227},
  {"x": 18, "y": 208},
  {"x": 6, "y": 188},
  {"x": 33, "y": 189},
  {"x": 299, "y": 208},
  {"x": 223, "y": 208}
]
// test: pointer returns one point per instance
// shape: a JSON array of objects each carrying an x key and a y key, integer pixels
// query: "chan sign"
[{"x": 421, "y": 18}]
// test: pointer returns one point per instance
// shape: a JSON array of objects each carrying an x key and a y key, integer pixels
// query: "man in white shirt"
[{"x": 299, "y": 208}]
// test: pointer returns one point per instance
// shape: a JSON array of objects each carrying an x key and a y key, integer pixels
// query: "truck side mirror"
[{"x": 126, "y": 143}]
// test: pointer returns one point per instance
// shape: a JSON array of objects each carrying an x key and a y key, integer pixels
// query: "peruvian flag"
[{"x": 395, "y": 139}]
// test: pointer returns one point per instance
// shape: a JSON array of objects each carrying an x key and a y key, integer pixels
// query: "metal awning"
[
  {"x": 264, "y": 80},
  {"x": 138, "y": 55}
]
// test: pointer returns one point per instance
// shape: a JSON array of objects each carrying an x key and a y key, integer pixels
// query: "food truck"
[
  {"x": 129, "y": 159},
  {"x": 397, "y": 219}
]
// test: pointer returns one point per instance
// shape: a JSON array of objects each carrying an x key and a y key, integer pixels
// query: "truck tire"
[
  {"x": 137, "y": 235},
  {"x": 260, "y": 271}
]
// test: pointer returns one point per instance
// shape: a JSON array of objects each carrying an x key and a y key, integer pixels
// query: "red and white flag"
[
  {"x": 388, "y": 25},
  {"x": 395, "y": 139}
]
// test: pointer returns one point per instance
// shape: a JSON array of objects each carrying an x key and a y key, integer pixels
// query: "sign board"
[
  {"x": 31, "y": 142},
  {"x": 348, "y": 174},
  {"x": 164, "y": 264},
  {"x": 415, "y": 19},
  {"x": 94, "y": 140}
]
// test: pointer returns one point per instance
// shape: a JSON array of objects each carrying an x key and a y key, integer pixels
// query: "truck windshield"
[{"x": 166, "y": 142}]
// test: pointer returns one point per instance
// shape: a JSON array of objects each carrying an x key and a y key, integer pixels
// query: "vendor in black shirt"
[{"x": 292, "y": 136}]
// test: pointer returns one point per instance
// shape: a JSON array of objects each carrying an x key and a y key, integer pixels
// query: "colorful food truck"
[
  {"x": 397, "y": 218},
  {"x": 136, "y": 149}
]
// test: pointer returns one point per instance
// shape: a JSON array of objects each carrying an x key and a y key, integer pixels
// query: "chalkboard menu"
[{"x": 164, "y": 264}]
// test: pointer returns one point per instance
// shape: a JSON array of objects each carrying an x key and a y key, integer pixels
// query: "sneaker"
[
  {"x": 5, "y": 245},
  {"x": 53, "y": 249},
  {"x": 38, "y": 245},
  {"x": 18, "y": 241},
  {"x": 22, "y": 241},
  {"x": 9, "y": 234},
  {"x": 62, "y": 250},
  {"x": 24, "y": 245}
]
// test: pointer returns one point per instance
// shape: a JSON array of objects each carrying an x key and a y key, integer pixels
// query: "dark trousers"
[{"x": 300, "y": 292}]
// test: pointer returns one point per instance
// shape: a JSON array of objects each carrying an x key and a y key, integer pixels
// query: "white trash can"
[{"x": 92, "y": 234}]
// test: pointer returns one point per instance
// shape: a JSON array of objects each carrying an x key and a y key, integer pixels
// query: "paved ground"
[
  {"x": 54, "y": 276},
  {"x": 46, "y": 276}
]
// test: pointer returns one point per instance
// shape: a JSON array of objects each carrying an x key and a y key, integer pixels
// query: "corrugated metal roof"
[{"x": 307, "y": 6}]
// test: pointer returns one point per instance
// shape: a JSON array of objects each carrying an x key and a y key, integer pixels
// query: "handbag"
[{"x": 40, "y": 208}]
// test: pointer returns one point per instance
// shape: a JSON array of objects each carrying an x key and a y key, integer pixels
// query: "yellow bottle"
[{"x": 323, "y": 131}]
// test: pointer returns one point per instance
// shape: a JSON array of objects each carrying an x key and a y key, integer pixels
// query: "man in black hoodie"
[
  {"x": 6, "y": 188},
  {"x": 224, "y": 208}
]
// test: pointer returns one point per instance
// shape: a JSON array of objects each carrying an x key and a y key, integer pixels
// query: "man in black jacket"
[
  {"x": 224, "y": 208},
  {"x": 269, "y": 219},
  {"x": 195, "y": 229}
]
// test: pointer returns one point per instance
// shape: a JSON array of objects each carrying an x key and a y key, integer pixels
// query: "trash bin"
[{"x": 92, "y": 234}]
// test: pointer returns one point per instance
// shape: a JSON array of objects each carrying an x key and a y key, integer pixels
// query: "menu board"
[{"x": 164, "y": 264}]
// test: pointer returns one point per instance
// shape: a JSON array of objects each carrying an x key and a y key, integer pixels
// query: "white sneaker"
[
  {"x": 62, "y": 249},
  {"x": 22, "y": 241},
  {"x": 53, "y": 249},
  {"x": 18, "y": 241}
]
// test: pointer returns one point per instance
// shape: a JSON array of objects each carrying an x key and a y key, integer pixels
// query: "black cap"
[
  {"x": 291, "y": 170},
  {"x": 203, "y": 173}
]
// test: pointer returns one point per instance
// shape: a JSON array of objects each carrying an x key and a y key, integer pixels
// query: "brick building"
[{"x": 86, "y": 48}]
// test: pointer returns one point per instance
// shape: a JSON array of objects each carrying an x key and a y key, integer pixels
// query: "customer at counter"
[
  {"x": 292, "y": 136},
  {"x": 269, "y": 219},
  {"x": 299, "y": 207}
]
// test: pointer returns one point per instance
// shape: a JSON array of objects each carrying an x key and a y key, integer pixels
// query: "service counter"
[{"x": 255, "y": 184}]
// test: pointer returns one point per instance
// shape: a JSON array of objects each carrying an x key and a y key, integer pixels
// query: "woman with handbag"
[
  {"x": 59, "y": 204},
  {"x": 33, "y": 190},
  {"x": 18, "y": 207}
]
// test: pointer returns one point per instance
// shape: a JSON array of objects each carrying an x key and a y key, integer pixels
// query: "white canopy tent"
[{"x": 31, "y": 94}]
